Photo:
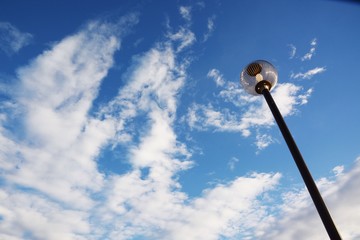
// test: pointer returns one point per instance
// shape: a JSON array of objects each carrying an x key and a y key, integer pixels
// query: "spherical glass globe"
[{"x": 257, "y": 75}]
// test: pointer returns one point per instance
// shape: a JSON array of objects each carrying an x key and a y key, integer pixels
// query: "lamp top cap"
[{"x": 256, "y": 72}]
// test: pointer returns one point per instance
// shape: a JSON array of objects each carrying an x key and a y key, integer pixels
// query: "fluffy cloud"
[
  {"x": 30, "y": 216},
  {"x": 230, "y": 210},
  {"x": 50, "y": 155},
  {"x": 254, "y": 113},
  {"x": 51, "y": 183},
  {"x": 52, "y": 159},
  {"x": 148, "y": 201},
  {"x": 298, "y": 217},
  {"x": 11, "y": 39},
  {"x": 251, "y": 114},
  {"x": 145, "y": 207}
]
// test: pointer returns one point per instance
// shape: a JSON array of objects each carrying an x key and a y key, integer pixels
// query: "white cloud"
[
  {"x": 231, "y": 164},
  {"x": 338, "y": 170},
  {"x": 184, "y": 37},
  {"x": 226, "y": 210},
  {"x": 236, "y": 95},
  {"x": 253, "y": 114},
  {"x": 304, "y": 97},
  {"x": 263, "y": 141},
  {"x": 50, "y": 156},
  {"x": 299, "y": 219},
  {"x": 145, "y": 207},
  {"x": 185, "y": 12},
  {"x": 255, "y": 111},
  {"x": 313, "y": 42},
  {"x": 56, "y": 91},
  {"x": 203, "y": 117},
  {"x": 217, "y": 76},
  {"x": 147, "y": 201},
  {"x": 51, "y": 185},
  {"x": 308, "y": 55},
  {"x": 11, "y": 39},
  {"x": 311, "y": 52},
  {"x": 210, "y": 28},
  {"x": 34, "y": 217},
  {"x": 309, "y": 74},
  {"x": 292, "y": 51}
]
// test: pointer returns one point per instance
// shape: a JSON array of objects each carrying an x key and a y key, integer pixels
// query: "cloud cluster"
[
  {"x": 55, "y": 93},
  {"x": 48, "y": 161},
  {"x": 148, "y": 200},
  {"x": 298, "y": 211},
  {"x": 251, "y": 112},
  {"x": 308, "y": 56},
  {"x": 12, "y": 40},
  {"x": 311, "y": 52},
  {"x": 51, "y": 185}
]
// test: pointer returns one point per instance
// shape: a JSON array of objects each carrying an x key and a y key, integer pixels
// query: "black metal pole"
[{"x": 304, "y": 171}]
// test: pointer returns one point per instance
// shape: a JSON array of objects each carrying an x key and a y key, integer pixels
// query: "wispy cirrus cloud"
[
  {"x": 310, "y": 54},
  {"x": 184, "y": 37},
  {"x": 292, "y": 52},
  {"x": 308, "y": 74},
  {"x": 185, "y": 12},
  {"x": 12, "y": 40},
  {"x": 217, "y": 76},
  {"x": 210, "y": 27},
  {"x": 232, "y": 162}
]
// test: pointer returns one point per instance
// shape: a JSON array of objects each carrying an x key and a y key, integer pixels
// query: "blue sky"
[{"x": 126, "y": 120}]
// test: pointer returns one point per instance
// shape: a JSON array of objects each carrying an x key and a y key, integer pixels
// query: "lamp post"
[{"x": 257, "y": 78}]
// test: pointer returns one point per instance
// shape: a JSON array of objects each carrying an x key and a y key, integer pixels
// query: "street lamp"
[{"x": 257, "y": 78}]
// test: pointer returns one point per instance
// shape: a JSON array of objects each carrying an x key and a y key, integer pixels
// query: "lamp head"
[{"x": 258, "y": 75}]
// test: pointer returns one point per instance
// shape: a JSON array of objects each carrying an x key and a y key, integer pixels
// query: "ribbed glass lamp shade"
[{"x": 258, "y": 71}]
